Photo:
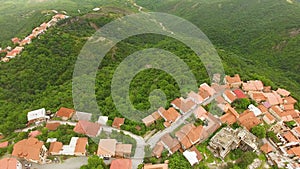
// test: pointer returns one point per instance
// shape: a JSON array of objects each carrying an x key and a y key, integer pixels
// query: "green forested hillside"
[
  {"x": 262, "y": 33},
  {"x": 253, "y": 38}
]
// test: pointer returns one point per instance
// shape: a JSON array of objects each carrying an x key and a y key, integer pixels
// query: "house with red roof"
[
  {"x": 183, "y": 105},
  {"x": 170, "y": 116},
  {"x": 118, "y": 122},
  {"x": 52, "y": 126},
  {"x": 30, "y": 149},
  {"x": 15, "y": 40},
  {"x": 230, "y": 115},
  {"x": 283, "y": 92},
  {"x": 65, "y": 113},
  {"x": 248, "y": 120},
  {"x": 258, "y": 97},
  {"x": 239, "y": 94},
  {"x": 10, "y": 163},
  {"x": 253, "y": 85},
  {"x": 4, "y": 144},
  {"x": 158, "y": 149},
  {"x": 171, "y": 144},
  {"x": 195, "y": 97},
  {"x": 229, "y": 96},
  {"x": 266, "y": 148},
  {"x": 273, "y": 98},
  {"x": 268, "y": 118},
  {"x": 88, "y": 128},
  {"x": 121, "y": 164},
  {"x": 207, "y": 89},
  {"x": 189, "y": 135},
  {"x": 233, "y": 82}
]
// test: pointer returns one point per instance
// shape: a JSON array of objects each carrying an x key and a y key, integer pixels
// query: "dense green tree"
[
  {"x": 94, "y": 162},
  {"x": 259, "y": 131}
]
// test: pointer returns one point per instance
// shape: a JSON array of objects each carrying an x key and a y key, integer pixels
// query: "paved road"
[
  {"x": 71, "y": 163},
  {"x": 139, "y": 151}
]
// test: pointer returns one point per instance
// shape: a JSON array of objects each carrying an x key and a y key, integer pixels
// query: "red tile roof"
[
  {"x": 171, "y": 115},
  {"x": 87, "y": 128},
  {"x": 290, "y": 137},
  {"x": 274, "y": 98},
  {"x": 171, "y": 143},
  {"x": 266, "y": 148},
  {"x": 34, "y": 133},
  {"x": 289, "y": 100},
  {"x": 9, "y": 163},
  {"x": 239, "y": 93},
  {"x": 183, "y": 104},
  {"x": 230, "y": 95},
  {"x": 248, "y": 119},
  {"x": 157, "y": 150},
  {"x": 199, "y": 112},
  {"x": 235, "y": 79},
  {"x": 262, "y": 108},
  {"x": 81, "y": 145},
  {"x": 269, "y": 116},
  {"x": 55, "y": 147},
  {"x": 208, "y": 89},
  {"x": 4, "y": 144},
  {"x": 253, "y": 85},
  {"x": 52, "y": 126},
  {"x": 121, "y": 164},
  {"x": 65, "y": 112},
  {"x": 230, "y": 116},
  {"x": 295, "y": 151},
  {"x": 28, "y": 148},
  {"x": 283, "y": 92},
  {"x": 258, "y": 96},
  {"x": 118, "y": 122}
]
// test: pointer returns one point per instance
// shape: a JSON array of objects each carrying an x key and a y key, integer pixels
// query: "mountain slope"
[{"x": 260, "y": 31}]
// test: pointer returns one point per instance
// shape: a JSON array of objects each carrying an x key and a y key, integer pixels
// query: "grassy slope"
[
  {"x": 249, "y": 31},
  {"x": 17, "y": 18}
]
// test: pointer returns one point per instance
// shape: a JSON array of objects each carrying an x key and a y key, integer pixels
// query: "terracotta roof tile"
[
  {"x": 266, "y": 148},
  {"x": 290, "y": 137},
  {"x": 262, "y": 108},
  {"x": 229, "y": 96},
  {"x": 199, "y": 112},
  {"x": 289, "y": 100},
  {"x": 118, "y": 122},
  {"x": 81, "y": 145},
  {"x": 208, "y": 89},
  {"x": 235, "y": 79},
  {"x": 257, "y": 96},
  {"x": 65, "y": 112},
  {"x": 283, "y": 92},
  {"x": 55, "y": 147},
  {"x": 171, "y": 143},
  {"x": 239, "y": 93},
  {"x": 88, "y": 128},
  {"x": 171, "y": 115},
  {"x": 52, "y": 126},
  {"x": 28, "y": 148},
  {"x": 157, "y": 150},
  {"x": 4, "y": 144},
  {"x": 295, "y": 151},
  {"x": 121, "y": 164},
  {"x": 248, "y": 119},
  {"x": 156, "y": 115},
  {"x": 9, "y": 163},
  {"x": 107, "y": 147}
]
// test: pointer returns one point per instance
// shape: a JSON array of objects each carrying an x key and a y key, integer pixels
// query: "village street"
[{"x": 155, "y": 138}]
